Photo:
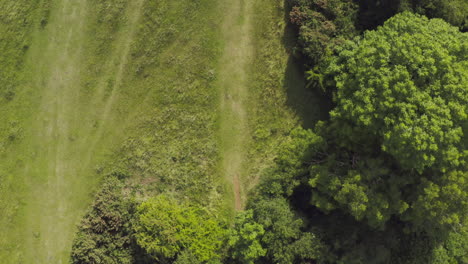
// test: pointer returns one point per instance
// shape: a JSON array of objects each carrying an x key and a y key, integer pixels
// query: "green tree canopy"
[
  {"x": 406, "y": 84},
  {"x": 396, "y": 143}
]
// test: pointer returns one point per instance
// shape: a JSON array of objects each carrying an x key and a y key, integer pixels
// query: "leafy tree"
[
  {"x": 406, "y": 84},
  {"x": 387, "y": 174},
  {"x": 244, "y": 239},
  {"x": 395, "y": 139},
  {"x": 443, "y": 199},
  {"x": 419, "y": 248},
  {"x": 373, "y": 13},
  {"x": 165, "y": 228},
  {"x": 457, "y": 244}
]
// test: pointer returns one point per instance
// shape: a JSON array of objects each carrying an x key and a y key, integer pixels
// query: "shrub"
[{"x": 165, "y": 228}]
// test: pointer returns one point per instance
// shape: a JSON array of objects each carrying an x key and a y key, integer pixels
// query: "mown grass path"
[
  {"x": 60, "y": 173},
  {"x": 233, "y": 79},
  {"x": 52, "y": 172}
]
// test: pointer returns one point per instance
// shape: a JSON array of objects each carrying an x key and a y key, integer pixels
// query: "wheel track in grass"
[
  {"x": 233, "y": 80},
  {"x": 122, "y": 53}
]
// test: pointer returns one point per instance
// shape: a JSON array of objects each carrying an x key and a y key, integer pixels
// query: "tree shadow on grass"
[{"x": 310, "y": 105}]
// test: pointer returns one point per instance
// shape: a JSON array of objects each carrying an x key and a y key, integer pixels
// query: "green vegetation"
[
  {"x": 400, "y": 109},
  {"x": 284, "y": 238},
  {"x": 173, "y": 145},
  {"x": 84, "y": 105},
  {"x": 126, "y": 86},
  {"x": 454, "y": 12},
  {"x": 405, "y": 82},
  {"x": 165, "y": 228},
  {"x": 218, "y": 131},
  {"x": 390, "y": 163},
  {"x": 18, "y": 20},
  {"x": 323, "y": 26},
  {"x": 106, "y": 234},
  {"x": 244, "y": 239}
]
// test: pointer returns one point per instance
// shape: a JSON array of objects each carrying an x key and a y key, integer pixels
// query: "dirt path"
[{"x": 233, "y": 81}]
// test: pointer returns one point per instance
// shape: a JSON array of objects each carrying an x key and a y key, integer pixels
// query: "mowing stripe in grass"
[{"x": 233, "y": 82}]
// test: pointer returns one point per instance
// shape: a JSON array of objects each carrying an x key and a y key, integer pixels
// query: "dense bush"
[
  {"x": 105, "y": 234},
  {"x": 323, "y": 26},
  {"x": 165, "y": 229},
  {"x": 285, "y": 239},
  {"x": 453, "y": 11},
  {"x": 244, "y": 239},
  {"x": 406, "y": 82},
  {"x": 297, "y": 150}
]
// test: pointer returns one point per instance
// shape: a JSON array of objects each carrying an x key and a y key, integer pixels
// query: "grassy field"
[
  {"x": 51, "y": 167},
  {"x": 186, "y": 97},
  {"x": 19, "y": 20}
]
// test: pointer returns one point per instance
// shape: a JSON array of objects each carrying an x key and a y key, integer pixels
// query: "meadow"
[{"x": 163, "y": 94}]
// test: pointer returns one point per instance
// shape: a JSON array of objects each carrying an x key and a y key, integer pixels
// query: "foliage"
[
  {"x": 244, "y": 239},
  {"x": 187, "y": 257},
  {"x": 456, "y": 244},
  {"x": 443, "y": 199},
  {"x": 323, "y": 25},
  {"x": 284, "y": 239},
  {"x": 454, "y": 11},
  {"x": 293, "y": 154},
  {"x": 395, "y": 137},
  {"x": 277, "y": 101},
  {"x": 405, "y": 83},
  {"x": 105, "y": 233},
  {"x": 388, "y": 170},
  {"x": 368, "y": 190},
  {"x": 393, "y": 155},
  {"x": 165, "y": 228},
  {"x": 421, "y": 248},
  {"x": 373, "y": 13},
  {"x": 162, "y": 79}
]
